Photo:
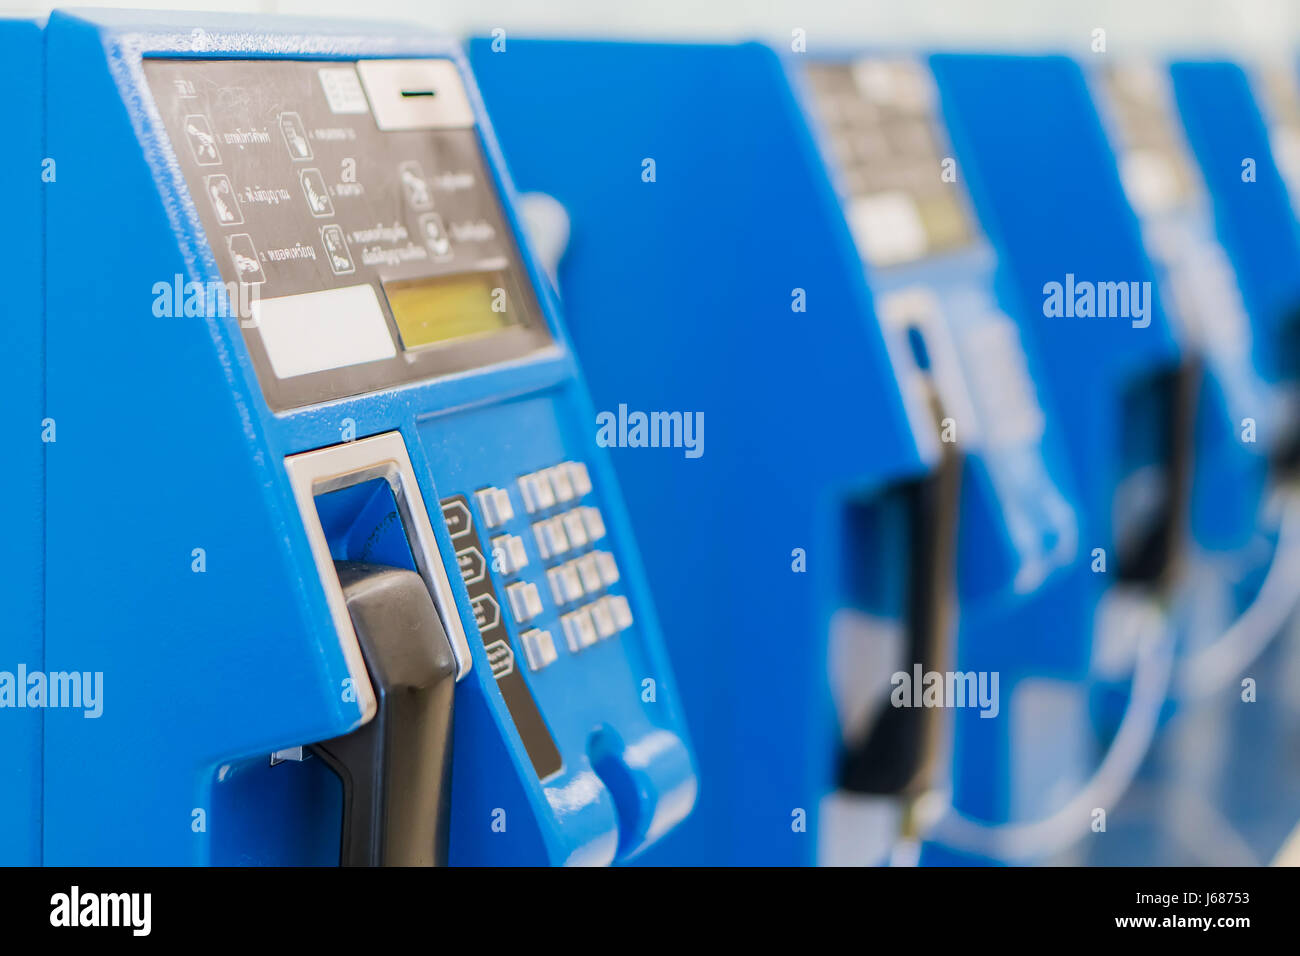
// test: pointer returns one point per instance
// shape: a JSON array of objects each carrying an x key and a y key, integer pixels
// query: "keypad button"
[
  {"x": 537, "y": 492},
  {"x": 594, "y": 522},
  {"x": 551, "y": 539},
  {"x": 525, "y": 601},
  {"x": 602, "y": 618},
  {"x": 495, "y": 505},
  {"x": 561, "y": 483},
  {"x": 619, "y": 610},
  {"x": 589, "y": 572},
  {"x": 539, "y": 648},
  {"x": 566, "y": 586},
  {"x": 579, "y": 477},
  {"x": 608, "y": 567},
  {"x": 509, "y": 553},
  {"x": 574, "y": 528},
  {"x": 456, "y": 514},
  {"x": 579, "y": 632}
]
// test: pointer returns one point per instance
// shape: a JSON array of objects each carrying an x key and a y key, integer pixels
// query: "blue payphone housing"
[
  {"x": 23, "y": 433},
  {"x": 1068, "y": 170},
  {"x": 1255, "y": 223},
  {"x": 709, "y": 271},
  {"x": 934, "y": 275},
  {"x": 1206, "y": 175},
  {"x": 1207, "y": 235},
  {"x": 300, "y": 332},
  {"x": 1045, "y": 185},
  {"x": 1238, "y": 317},
  {"x": 1254, "y": 219}
]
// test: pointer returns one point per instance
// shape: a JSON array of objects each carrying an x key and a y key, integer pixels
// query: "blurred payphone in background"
[
  {"x": 934, "y": 274},
  {"x": 1220, "y": 239},
  {"x": 1115, "y": 389}
]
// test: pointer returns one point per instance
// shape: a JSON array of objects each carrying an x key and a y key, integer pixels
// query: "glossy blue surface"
[
  {"x": 166, "y": 445},
  {"x": 21, "y": 412},
  {"x": 1254, "y": 220},
  {"x": 1256, "y": 228},
  {"x": 1045, "y": 184}
]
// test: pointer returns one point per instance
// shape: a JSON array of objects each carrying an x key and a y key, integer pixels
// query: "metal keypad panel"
[
  {"x": 882, "y": 134},
  {"x": 331, "y": 224},
  {"x": 545, "y": 587}
]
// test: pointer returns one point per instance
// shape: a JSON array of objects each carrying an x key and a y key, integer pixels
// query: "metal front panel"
[
  {"x": 883, "y": 130},
  {"x": 322, "y": 219}
]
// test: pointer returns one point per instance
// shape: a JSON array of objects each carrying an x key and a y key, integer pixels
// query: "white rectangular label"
[
  {"x": 887, "y": 228},
  {"x": 316, "y": 331}
]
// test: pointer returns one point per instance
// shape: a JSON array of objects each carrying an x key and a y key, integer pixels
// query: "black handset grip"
[
  {"x": 1148, "y": 554},
  {"x": 396, "y": 768},
  {"x": 898, "y": 755}
]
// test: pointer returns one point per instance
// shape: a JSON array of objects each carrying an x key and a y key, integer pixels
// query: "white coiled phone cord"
[
  {"x": 1207, "y": 671},
  {"x": 1214, "y": 666},
  {"x": 1039, "y": 838}
]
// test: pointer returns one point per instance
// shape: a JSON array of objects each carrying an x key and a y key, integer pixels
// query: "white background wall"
[{"x": 1250, "y": 26}]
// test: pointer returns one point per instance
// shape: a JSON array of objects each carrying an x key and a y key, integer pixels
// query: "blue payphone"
[
  {"x": 23, "y": 433},
  {"x": 1072, "y": 273},
  {"x": 709, "y": 273},
  {"x": 1207, "y": 232},
  {"x": 330, "y": 533},
  {"x": 933, "y": 272},
  {"x": 1207, "y": 181}
]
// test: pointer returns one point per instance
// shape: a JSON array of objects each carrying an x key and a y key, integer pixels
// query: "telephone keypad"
[{"x": 567, "y": 592}]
